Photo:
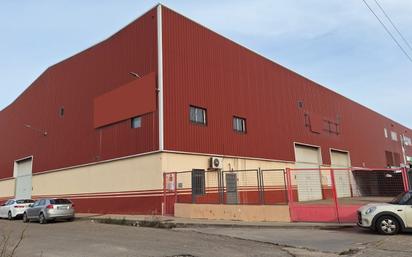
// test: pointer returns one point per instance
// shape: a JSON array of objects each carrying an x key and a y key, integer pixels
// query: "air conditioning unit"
[{"x": 216, "y": 163}]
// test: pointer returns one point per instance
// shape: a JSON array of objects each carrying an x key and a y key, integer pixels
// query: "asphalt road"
[
  {"x": 86, "y": 238},
  {"x": 304, "y": 242}
]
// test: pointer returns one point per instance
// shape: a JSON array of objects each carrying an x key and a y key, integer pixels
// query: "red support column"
[
  {"x": 289, "y": 185},
  {"x": 405, "y": 179},
  {"x": 335, "y": 194},
  {"x": 175, "y": 187},
  {"x": 290, "y": 192},
  {"x": 164, "y": 212}
]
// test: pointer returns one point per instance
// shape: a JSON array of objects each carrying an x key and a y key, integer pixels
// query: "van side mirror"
[{"x": 31, "y": 205}]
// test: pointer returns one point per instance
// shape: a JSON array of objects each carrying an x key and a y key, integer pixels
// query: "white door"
[
  {"x": 341, "y": 160},
  {"x": 308, "y": 181},
  {"x": 23, "y": 174}
]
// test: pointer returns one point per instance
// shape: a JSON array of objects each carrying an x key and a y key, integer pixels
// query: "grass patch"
[
  {"x": 156, "y": 224},
  {"x": 123, "y": 222},
  {"x": 150, "y": 223}
]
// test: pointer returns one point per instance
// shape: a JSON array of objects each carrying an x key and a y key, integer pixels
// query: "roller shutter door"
[
  {"x": 308, "y": 181},
  {"x": 342, "y": 177}
]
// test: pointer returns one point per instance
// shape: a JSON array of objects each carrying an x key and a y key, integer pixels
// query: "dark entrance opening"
[
  {"x": 379, "y": 183},
  {"x": 410, "y": 178},
  {"x": 231, "y": 188}
]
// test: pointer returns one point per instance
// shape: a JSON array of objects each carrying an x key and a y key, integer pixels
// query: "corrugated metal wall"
[
  {"x": 201, "y": 69},
  {"x": 73, "y": 84},
  {"x": 131, "y": 100},
  {"x": 204, "y": 69}
]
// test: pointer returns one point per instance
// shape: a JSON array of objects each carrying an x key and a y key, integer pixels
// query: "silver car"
[{"x": 45, "y": 210}]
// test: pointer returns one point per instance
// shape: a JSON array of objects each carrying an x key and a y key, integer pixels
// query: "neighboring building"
[{"x": 91, "y": 130}]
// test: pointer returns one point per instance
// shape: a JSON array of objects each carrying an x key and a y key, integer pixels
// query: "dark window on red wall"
[
  {"x": 61, "y": 111},
  {"x": 389, "y": 158},
  {"x": 393, "y": 159},
  {"x": 239, "y": 124},
  {"x": 198, "y": 115},
  {"x": 136, "y": 122},
  {"x": 397, "y": 159}
]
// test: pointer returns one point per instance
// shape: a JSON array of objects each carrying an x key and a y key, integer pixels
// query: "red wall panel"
[
  {"x": 133, "y": 99},
  {"x": 316, "y": 123},
  {"x": 73, "y": 84},
  {"x": 205, "y": 69}
]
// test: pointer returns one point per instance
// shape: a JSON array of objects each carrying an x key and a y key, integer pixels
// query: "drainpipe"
[{"x": 403, "y": 150}]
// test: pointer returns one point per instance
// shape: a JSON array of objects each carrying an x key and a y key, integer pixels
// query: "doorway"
[
  {"x": 231, "y": 188},
  {"x": 23, "y": 175}
]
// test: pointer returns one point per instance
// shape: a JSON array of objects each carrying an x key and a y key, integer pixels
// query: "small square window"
[
  {"x": 197, "y": 115},
  {"x": 394, "y": 136},
  {"x": 136, "y": 122},
  {"x": 239, "y": 124},
  {"x": 407, "y": 141}
]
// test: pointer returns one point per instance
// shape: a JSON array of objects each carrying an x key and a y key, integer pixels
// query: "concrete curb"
[
  {"x": 292, "y": 226},
  {"x": 209, "y": 223}
]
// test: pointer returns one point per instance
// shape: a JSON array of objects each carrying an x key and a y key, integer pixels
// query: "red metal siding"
[
  {"x": 73, "y": 84},
  {"x": 133, "y": 99},
  {"x": 205, "y": 69}
]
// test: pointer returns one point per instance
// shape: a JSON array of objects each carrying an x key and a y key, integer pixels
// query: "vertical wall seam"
[{"x": 160, "y": 76}]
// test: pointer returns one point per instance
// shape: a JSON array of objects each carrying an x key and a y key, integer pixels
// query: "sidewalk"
[{"x": 184, "y": 222}]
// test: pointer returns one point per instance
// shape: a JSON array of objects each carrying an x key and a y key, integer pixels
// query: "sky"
[{"x": 338, "y": 44}]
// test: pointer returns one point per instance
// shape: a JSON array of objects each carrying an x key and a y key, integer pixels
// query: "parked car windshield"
[
  {"x": 24, "y": 201},
  {"x": 60, "y": 201},
  {"x": 403, "y": 198}
]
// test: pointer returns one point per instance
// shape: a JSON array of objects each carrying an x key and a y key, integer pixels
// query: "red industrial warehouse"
[{"x": 169, "y": 117}]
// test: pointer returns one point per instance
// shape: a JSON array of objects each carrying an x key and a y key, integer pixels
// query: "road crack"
[{"x": 291, "y": 250}]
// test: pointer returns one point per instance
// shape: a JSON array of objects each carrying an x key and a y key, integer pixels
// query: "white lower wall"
[
  {"x": 7, "y": 188},
  {"x": 183, "y": 161},
  {"x": 139, "y": 173},
  {"x": 131, "y": 174}
]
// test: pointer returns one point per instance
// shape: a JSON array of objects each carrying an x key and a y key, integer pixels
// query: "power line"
[
  {"x": 387, "y": 30},
  {"x": 393, "y": 25}
]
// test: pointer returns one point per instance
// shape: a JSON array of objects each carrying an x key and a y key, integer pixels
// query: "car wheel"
[
  {"x": 387, "y": 225},
  {"x": 25, "y": 218},
  {"x": 9, "y": 216},
  {"x": 70, "y": 219},
  {"x": 42, "y": 219}
]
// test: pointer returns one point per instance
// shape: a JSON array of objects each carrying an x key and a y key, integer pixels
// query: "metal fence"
[
  {"x": 252, "y": 186},
  {"x": 313, "y": 194},
  {"x": 334, "y": 195}
]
